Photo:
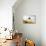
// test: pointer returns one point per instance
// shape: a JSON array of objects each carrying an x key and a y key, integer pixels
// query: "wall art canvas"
[{"x": 29, "y": 19}]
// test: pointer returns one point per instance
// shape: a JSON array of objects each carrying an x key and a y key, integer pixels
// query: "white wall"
[
  {"x": 31, "y": 31},
  {"x": 23, "y": 9},
  {"x": 6, "y": 13},
  {"x": 43, "y": 22}
]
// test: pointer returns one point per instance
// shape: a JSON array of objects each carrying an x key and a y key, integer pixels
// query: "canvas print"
[{"x": 29, "y": 19}]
